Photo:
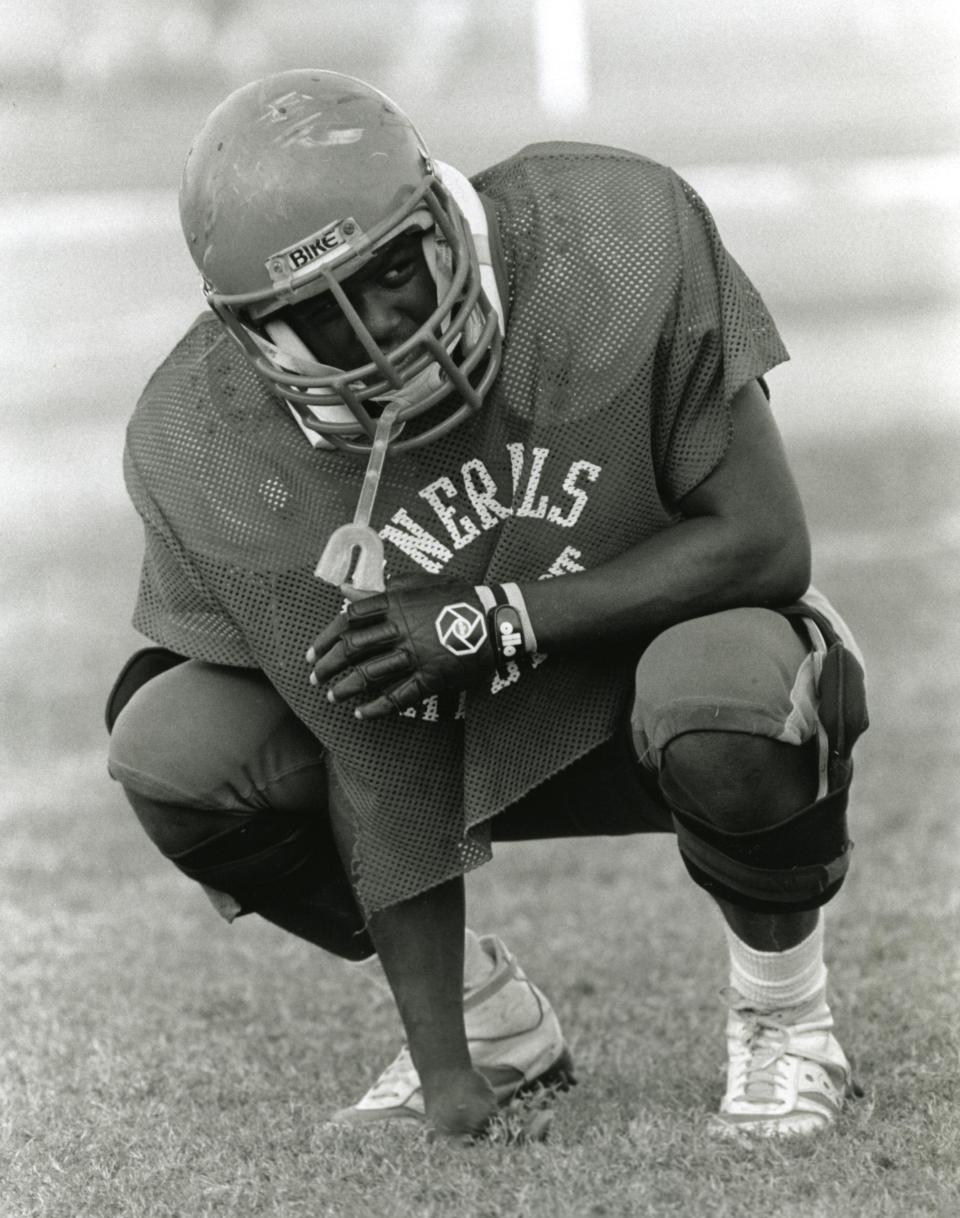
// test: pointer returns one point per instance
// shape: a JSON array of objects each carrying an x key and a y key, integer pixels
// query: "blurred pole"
[{"x": 563, "y": 56}]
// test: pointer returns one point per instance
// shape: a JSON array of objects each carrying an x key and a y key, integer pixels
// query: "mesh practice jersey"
[{"x": 629, "y": 330}]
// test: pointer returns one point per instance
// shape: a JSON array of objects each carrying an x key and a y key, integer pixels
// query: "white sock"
[{"x": 770, "y": 981}]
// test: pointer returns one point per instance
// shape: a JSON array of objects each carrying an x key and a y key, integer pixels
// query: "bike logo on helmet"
[{"x": 317, "y": 248}]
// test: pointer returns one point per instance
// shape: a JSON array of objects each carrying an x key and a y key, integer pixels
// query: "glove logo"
[{"x": 461, "y": 629}]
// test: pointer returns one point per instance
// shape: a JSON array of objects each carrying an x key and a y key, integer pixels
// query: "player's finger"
[
  {"x": 536, "y": 1128},
  {"x": 369, "y": 639},
  {"x": 327, "y": 637},
  {"x": 408, "y": 693},
  {"x": 368, "y": 607},
  {"x": 358, "y": 618},
  {"x": 370, "y": 675},
  {"x": 354, "y": 645},
  {"x": 499, "y": 1131},
  {"x": 333, "y": 661}
]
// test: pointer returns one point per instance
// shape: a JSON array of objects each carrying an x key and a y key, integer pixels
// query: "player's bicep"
[{"x": 752, "y": 489}]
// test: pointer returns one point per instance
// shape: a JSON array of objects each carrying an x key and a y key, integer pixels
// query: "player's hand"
[{"x": 394, "y": 649}]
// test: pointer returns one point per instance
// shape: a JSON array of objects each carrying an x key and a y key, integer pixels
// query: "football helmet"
[{"x": 293, "y": 184}]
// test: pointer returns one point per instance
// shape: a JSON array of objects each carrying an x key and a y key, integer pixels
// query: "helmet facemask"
[{"x": 454, "y": 351}]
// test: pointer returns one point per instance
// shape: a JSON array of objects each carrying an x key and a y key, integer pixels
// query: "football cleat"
[
  {"x": 514, "y": 1038},
  {"x": 786, "y": 1072}
]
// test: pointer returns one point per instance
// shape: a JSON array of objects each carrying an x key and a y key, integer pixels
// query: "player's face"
[{"x": 393, "y": 294}]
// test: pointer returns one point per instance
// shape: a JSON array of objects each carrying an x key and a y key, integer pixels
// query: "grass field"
[{"x": 156, "y": 1063}]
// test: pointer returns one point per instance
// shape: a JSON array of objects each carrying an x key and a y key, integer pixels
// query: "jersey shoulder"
[
  {"x": 204, "y": 341},
  {"x": 570, "y": 169},
  {"x": 592, "y": 243},
  {"x": 205, "y": 383},
  {"x": 586, "y": 208}
]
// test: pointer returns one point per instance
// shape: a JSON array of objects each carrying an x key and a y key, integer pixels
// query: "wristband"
[
  {"x": 515, "y": 598},
  {"x": 511, "y": 634}
]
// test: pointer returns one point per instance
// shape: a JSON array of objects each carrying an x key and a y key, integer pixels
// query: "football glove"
[{"x": 394, "y": 649}]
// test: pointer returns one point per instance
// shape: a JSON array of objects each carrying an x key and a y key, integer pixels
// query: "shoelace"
[{"x": 767, "y": 1041}]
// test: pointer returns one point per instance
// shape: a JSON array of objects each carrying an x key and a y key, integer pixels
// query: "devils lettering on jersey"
[{"x": 466, "y": 509}]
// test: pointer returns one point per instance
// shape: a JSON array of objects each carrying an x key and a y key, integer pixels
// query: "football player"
[{"x": 562, "y": 588}]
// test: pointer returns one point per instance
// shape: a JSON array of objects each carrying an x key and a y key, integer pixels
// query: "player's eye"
[
  {"x": 318, "y": 310},
  {"x": 401, "y": 270}
]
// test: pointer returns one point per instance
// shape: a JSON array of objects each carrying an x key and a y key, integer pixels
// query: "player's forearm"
[
  {"x": 702, "y": 565},
  {"x": 420, "y": 945}
]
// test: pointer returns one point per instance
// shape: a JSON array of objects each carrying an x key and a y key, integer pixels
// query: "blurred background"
[{"x": 823, "y": 136}]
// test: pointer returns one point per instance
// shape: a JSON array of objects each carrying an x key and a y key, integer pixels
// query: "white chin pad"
[{"x": 297, "y": 357}]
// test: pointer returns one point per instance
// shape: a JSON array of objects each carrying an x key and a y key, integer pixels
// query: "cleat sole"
[{"x": 559, "y": 1076}]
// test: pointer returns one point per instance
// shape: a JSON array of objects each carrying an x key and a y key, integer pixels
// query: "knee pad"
[
  {"x": 263, "y": 854},
  {"x": 801, "y": 862},
  {"x": 796, "y": 865},
  {"x": 286, "y": 869},
  {"x": 254, "y": 854}
]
